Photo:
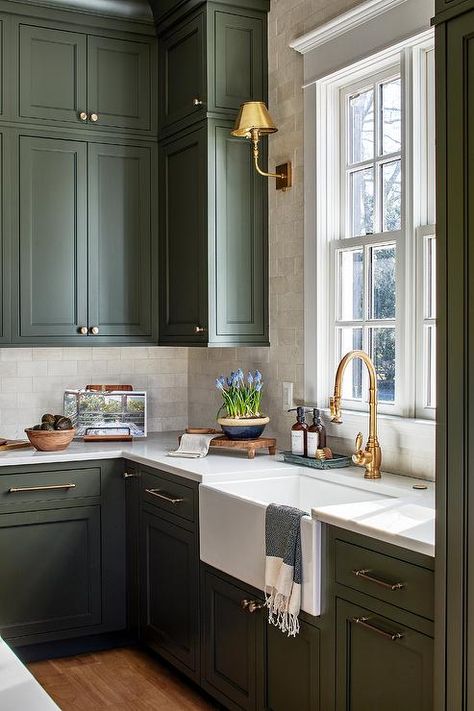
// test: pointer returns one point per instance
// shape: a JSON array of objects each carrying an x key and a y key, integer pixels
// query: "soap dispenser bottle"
[
  {"x": 299, "y": 432},
  {"x": 313, "y": 435},
  {"x": 317, "y": 422}
]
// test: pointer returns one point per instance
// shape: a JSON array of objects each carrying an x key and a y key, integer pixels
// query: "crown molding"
[
  {"x": 139, "y": 10},
  {"x": 343, "y": 23}
]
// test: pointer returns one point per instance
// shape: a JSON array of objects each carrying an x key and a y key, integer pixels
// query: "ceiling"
[{"x": 123, "y": 8}]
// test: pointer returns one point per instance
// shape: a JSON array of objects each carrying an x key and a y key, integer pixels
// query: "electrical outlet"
[{"x": 288, "y": 396}]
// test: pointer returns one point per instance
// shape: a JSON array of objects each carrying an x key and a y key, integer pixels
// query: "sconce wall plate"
[{"x": 285, "y": 173}]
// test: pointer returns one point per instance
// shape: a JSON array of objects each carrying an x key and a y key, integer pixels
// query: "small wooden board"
[
  {"x": 6, "y": 445},
  {"x": 251, "y": 445}
]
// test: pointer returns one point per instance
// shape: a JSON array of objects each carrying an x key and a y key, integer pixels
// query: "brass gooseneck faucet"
[{"x": 371, "y": 456}]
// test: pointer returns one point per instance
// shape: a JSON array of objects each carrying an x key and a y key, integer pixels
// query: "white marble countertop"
[
  {"x": 407, "y": 520},
  {"x": 19, "y": 690}
]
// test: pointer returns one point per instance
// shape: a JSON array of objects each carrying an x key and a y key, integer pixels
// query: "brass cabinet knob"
[
  {"x": 83, "y": 330},
  {"x": 251, "y": 605},
  {"x": 197, "y": 102},
  {"x": 95, "y": 330},
  {"x": 199, "y": 329},
  {"x": 94, "y": 117},
  {"x": 83, "y": 116}
]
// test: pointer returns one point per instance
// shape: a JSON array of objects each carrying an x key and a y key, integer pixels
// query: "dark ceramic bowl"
[{"x": 251, "y": 428}]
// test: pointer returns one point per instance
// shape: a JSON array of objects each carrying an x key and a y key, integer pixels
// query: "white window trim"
[{"x": 319, "y": 153}]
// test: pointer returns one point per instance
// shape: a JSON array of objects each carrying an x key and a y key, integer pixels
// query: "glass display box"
[{"x": 103, "y": 412}]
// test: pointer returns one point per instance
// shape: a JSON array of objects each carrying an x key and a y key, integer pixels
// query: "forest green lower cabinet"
[
  {"x": 381, "y": 664},
  {"x": 169, "y": 569},
  {"x": 62, "y": 551}
]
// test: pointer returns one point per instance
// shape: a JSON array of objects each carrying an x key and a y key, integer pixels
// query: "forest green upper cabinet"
[
  {"x": 119, "y": 80},
  {"x": 85, "y": 79},
  {"x": 53, "y": 237},
  {"x": 86, "y": 253},
  {"x": 44, "y": 54},
  {"x": 213, "y": 262},
  {"x": 183, "y": 238},
  {"x": 210, "y": 63},
  {"x": 182, "y": 68},
  {"x": 120, "y": 240}
]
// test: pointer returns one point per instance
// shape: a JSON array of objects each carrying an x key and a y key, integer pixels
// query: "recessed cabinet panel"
[
  {"x": 376, "y": 668},
  {"x": 53, "y": 237},
  {"x": 169, "y": 580},
  {"x": 52, "y": 581},
  {"x": 238, "y": 60},
  {"x": 292, "y": 678},
  {"x": 52, "y": 74},
  {"x": 233, "y": 642},
  {"x": 182, "y": 212},
  {"x": 182, "y": 72},
  {"x": 120, "y": 246},
  {"x": 119, "y": 83},
  {"x": 240, "y": 242}
]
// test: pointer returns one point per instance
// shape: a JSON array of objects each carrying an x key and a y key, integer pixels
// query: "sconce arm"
[{"x": 254, "y": 139}]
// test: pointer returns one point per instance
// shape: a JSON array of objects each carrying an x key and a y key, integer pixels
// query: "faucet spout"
[{"x": 371, "y": 456}]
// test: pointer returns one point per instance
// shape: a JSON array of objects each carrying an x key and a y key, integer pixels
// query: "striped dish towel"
[{"x": 283, "y": 567}]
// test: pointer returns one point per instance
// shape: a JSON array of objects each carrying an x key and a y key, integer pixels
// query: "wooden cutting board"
[{"x": 6, "y": 445}]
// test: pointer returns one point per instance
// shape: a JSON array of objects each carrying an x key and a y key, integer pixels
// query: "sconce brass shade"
[{"x": 253, "y": 115}]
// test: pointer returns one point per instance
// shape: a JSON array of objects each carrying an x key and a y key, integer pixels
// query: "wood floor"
[{"x": 117, "y": 680}]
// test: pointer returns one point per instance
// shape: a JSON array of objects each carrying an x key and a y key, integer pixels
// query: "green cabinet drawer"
[
  {"x": 403, "y": 584},
  {"x": 168, "y": 495},
  {"x": 40, "y": 486}
]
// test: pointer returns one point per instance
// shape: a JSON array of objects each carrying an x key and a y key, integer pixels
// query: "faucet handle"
[{"x": 359, "y": 442}]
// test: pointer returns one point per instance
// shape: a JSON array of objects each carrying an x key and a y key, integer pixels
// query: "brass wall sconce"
[{"x": 253, "y": 122}]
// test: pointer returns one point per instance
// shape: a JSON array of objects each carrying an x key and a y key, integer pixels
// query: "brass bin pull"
[
  {"x": 169, "y": 499},
  {"x": 364, "y": 573},
  {"x": 364, "y": 622},
  {"x": 46, "y": 487},
  {"x": 251, "y": 605}
]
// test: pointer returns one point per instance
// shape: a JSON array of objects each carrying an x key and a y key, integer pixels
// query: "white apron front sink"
[{"x": 232, "y": 525}]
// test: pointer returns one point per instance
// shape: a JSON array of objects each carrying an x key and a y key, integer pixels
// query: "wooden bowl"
[{"x": 50, "y": 440}]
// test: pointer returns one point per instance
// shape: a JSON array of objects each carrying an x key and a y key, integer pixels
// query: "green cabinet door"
[
  {"x": 292, "y": 669},
  {"x": 121, "y": 250},
  {"x": 119, "y": 82},
  {"x": 380, "y": 664},
  {"x": 232, "y": 666},
  {"x": 52, "y": 74},
  {"x": 52, "y": 237},
  {"x": 238, "y": 273},
  {"x": 169, "y": 582},
  {"x": 182, "y": 72},
  {"x": 50, "y": 576},
  {"x": 183, "y": 238},
  {"x": 237, "y": 58}
]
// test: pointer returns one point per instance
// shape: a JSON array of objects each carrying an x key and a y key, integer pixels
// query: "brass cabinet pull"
[
  {"x": 251, "y": 605},
  {"x": 95, "y": 330},
  {"x": 94, "y": 117},
  {"x": 364, "y": 573},
  {"x": 197, "y": 102},
  {"x": 83, "y": 116},
  {"x": 164, "y": 497},
  {"x": 364, "y": 622},
  {"x": 129, "y": 475},
  {"x": 83, "y": 330},
  {"x": 46, "y": 487},
  {"x": 199, "y": 329}
]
